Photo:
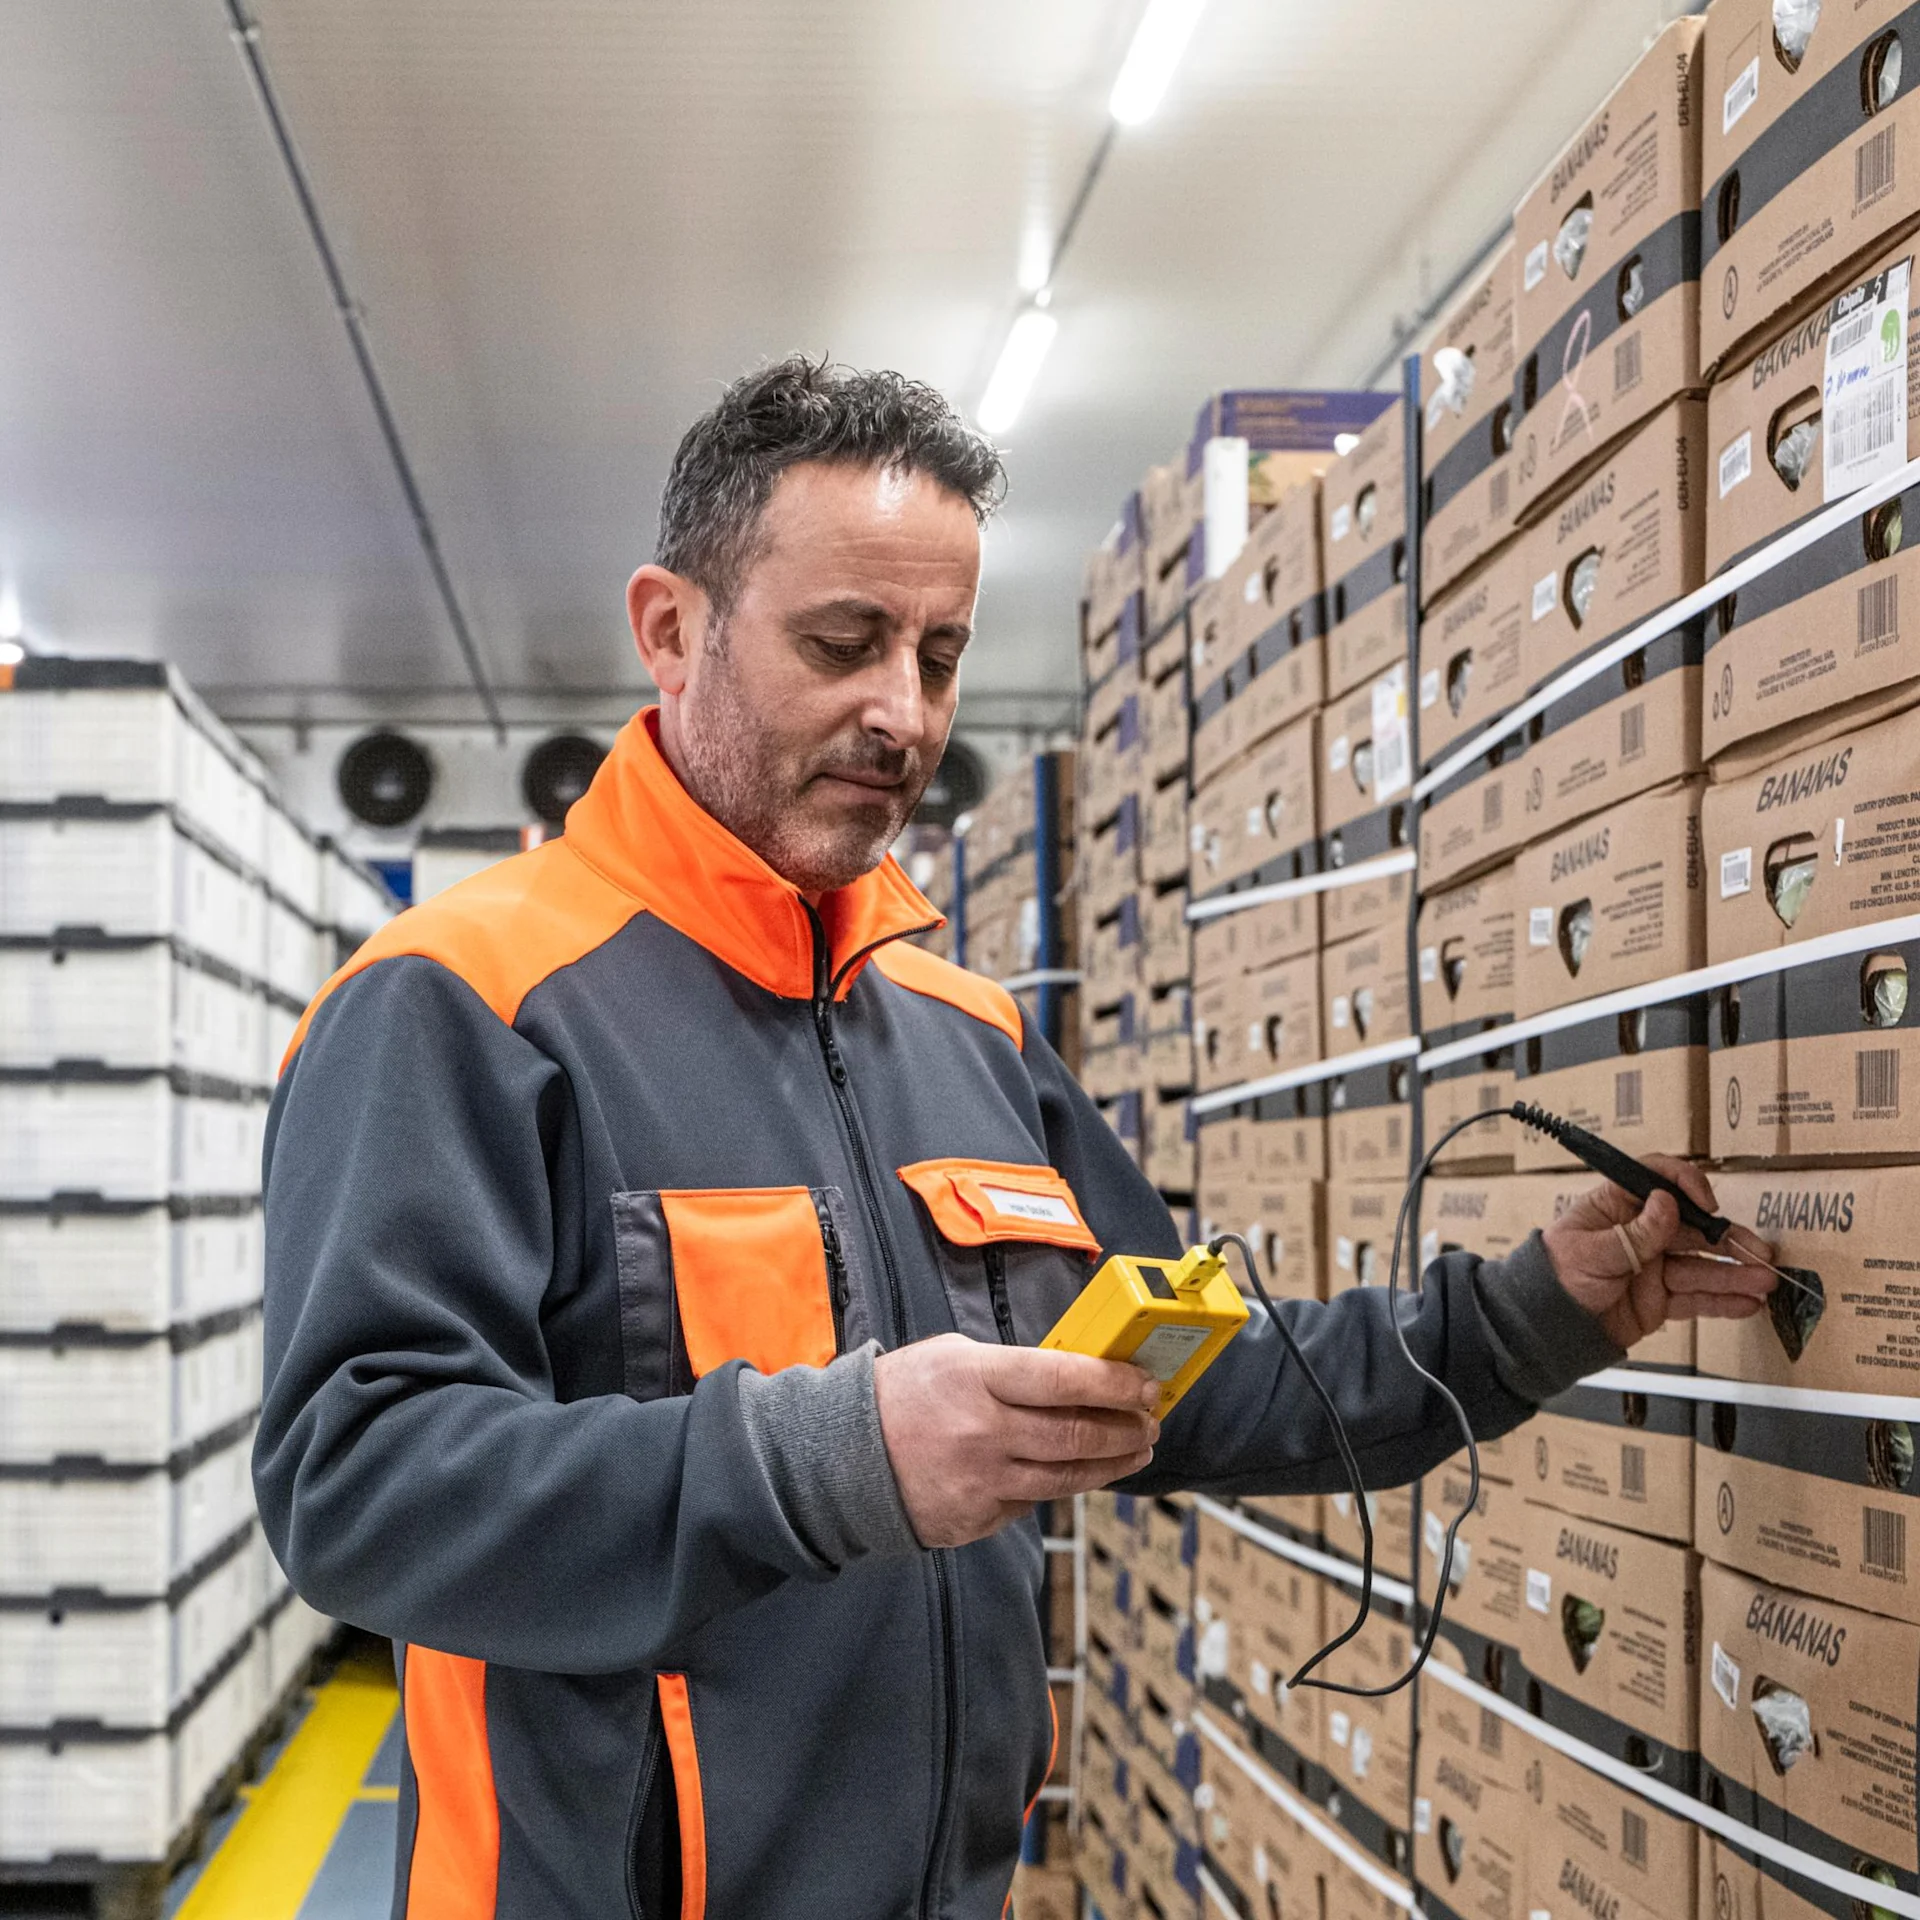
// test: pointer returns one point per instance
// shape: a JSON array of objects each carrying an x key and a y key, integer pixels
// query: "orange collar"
[{"x": 643, "y": 832}]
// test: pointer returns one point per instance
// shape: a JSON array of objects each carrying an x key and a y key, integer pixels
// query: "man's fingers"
[
  {"x": 1032, "y": 1482},
  {"x": 1687, "y": 1177},
  {"x": 1717, "y": 1276},
  {"x": 1049, "y": 1434},
  {"x": 1748, "y": 1244},
  {"x": 1713, "y": 1306},
  {"x": 1036, "y": 1377}
]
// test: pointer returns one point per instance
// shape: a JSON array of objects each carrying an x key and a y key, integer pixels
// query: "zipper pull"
[
  {"x": 836, "y": 1260},
  {"x": 829, "y": 1046}
]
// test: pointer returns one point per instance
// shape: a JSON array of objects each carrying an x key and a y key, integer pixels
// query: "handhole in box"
[
  {"x": 1785, "y": 1723},
  {"x": 1792, "y": 434},
  {"x": 1576, "y": 934},
  {"x": 1880, "y": 71},
  {"x": 1789, "y": 869}
]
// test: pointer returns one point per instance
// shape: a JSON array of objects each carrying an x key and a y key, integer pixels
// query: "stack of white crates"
[{"x": 163, "y": 921}]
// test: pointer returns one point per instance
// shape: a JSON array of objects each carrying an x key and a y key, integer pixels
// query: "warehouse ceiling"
[{"x": 565, "y": 224}]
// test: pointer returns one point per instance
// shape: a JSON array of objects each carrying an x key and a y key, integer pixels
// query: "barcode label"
[
  {"x": 1633, "y": 1473},
  {"x": 1490, "y": 1101},
  {"x": 1493, "y": 806},
  {"x": 1850, "y": 333},
  {"x": 1430, "y": 689},
  {"x": 1873, "y": 168},
  {"x": 1876, "y": 1081},
  {"x": 1633, "y": 731},
  {"x": 1736, "y": 872},
  {"x": 1633, "y": 1837},
  {"x": 1879, "y": 613},
  {"x": 1626, "y": 1098},
  {"x": 1860, "y": 431},
  {"x": 1741, "y": 95},
  {"x": 1540, "y": 927},
  {"x": 1546, "y": 595},
  {"x": 1736, "y": 462},
  {"x": 1392, "y": 736},
  {"x": 1497, "y": 494},
  {"x": 1863, "y": 389},
  {"x": 1724, "y": 1671},
  {"x": 1883, "y": 1541},
  {"x": 1535, "y": 269},
  {"x": 1626, "y": 363},
  {"x": 1539, "y": 1590},
  {"x": 1429, "y": 965}
]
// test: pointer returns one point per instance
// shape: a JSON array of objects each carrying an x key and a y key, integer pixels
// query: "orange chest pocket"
[
  {"x": 1011, "y": 1243},
  {"x": 707, "y": 1275}
]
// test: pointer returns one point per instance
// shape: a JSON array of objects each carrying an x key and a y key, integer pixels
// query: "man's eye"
[
  {"x": 841, "y": 653},
  {"x": 938, "y": 671}
]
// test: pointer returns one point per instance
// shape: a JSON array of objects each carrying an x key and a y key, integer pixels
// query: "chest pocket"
[
  {"x": 760, "y": 1274},
  {"x": 1013, "y": 1248}
]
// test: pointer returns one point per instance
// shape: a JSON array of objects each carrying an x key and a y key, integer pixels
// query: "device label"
[{"x": 1167, "y": 1349}]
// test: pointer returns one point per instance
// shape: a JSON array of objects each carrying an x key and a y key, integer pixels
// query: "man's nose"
[{"x": 895, "y": 703}]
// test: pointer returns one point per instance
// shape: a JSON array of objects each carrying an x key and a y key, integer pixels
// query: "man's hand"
[
  {"x": 977, "y": 1434},
  {"x": 1598, "y": 1243}
]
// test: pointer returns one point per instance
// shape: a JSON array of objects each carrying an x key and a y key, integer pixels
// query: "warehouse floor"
[{"x": 312, "y": 1838}]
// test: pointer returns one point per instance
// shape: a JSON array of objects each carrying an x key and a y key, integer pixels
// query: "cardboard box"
[
  {"x": 1466, "y": 380},
  {"x": 1487, "y": 1583},
  {"x": 1369, "y": 1742},
  {"x": 1604, "y": 1850},
  {"x": 1171, "y": 500},
  {"x": 1806, "y": 1710},
  {"x": 1046, "y": 1893},
  {"x": 1490, "y": 1215},
  {"x": 1736, "y": 1887},
  {"x": 1391, "y": 1511},
  {"x": 1253, "y": 1025},
  {"x": 1818, "y": 841},
  {"x": 1166, "y": 940},
  {"x": 1255, "y": 937},
  {"x": 1364, "y": 984},
  {"x": 1379, "y": 900},
  {"x": 1470, "y": 1832},
  {"x": 1639, "y": 1079},
  {"x": 1368, "y": 1123},
  {"x": 1810, "y": 1062},
  {"x": 1849, "y": 1233},
  {"x": 1620, "y": 545},
  {"x": 1476, "y": 818},
  {"x": 1625, "y": 1458},
  {"x": 1359, "y": 1233},
  {"x": 1260, "y": 1858},
  {"x": 1351, "y": 1896},
  {"x": 1364, "y": 558},
  {"x": 1818, "y": 1502},
  {"x": 1479, "y": 1086},
  {"x": 1607, "y": 315},
  {"x": 1801, "y": 166},
  {"x": 1239, "y": 1146},
  {"x": 1466, "y": 946},
  {"x": 1164, "y": 839},
  {"x": 1472, "y": 668},
  {"x": 1365, "y": 751},
  {"x": 1114, "y": 573},
  {"x": 1258, "y": 654},
  {"x": 1109, "y": 860},
  {"x": 1257, "y": 822},
  {"x": 1166, "y": 1148},
  {"x": 1616, "y": 901},
  {"x": 1610, "y": 1638},
  {"x": 1283, "y": 1221}
]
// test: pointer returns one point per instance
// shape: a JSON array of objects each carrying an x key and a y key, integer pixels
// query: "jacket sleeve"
[
  {"x": 1504, "y": 1336},
  {"x": 415, "y": 1473}
]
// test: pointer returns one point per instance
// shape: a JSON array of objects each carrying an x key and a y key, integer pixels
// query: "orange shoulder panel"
[
  {"x": 503, "y": 930},
  {"x": 922, "y": 972}
]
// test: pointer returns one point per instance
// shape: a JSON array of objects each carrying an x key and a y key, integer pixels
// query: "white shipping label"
[
  {"x": 1540, "y": 927},
  {"x": 1341, "y": 1004},
  {"x": 1167, "y": 1349},
  {"x": 1736, "y": 462},
  {"x": 1423, "y": 1815},
  {"x": 1262, "y": 1680},
  {"x": 1197, "y": 836},
  {"x": 1224, "y": 503},
  {"x": 1726, "y": 1677},
  {"x": 1342, "y": 522},
  {"x": 1863, "y": 397},
  {"x": 1031, "y": 1206},
  {"x": 1546, "y": 595},
  {"x": 1362, "y": 1751},
  {"x": 1839, "y": 837},
  {"x": 1736, "y": 872},
  {"x": 1211, "y": 1654},
  {"x": 1429, "y": 965},
  {"x": 1343, "y": 1253},
  {"x": 1256, "y": 1036},
  {"x": 1738, "y": 97},
  {"x": 1429, "y": 689},
  {"x": 1536, "y": 267},
  {"x": 1429, "y": 1248},
  {"x": 1256, "y": 822},
  {"x": 1433, "y": 1530},
  {"x": 1392, "y": 736},
  {"x": 1250, "y": 591},
  {"x": 1339, "y": 1727},
  {"x": 1540, "y": 1590},
  {"x": 1337, "y": 754}
]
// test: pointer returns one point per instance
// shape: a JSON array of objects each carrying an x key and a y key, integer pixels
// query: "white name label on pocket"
[{"x": 1031, "y": 1206}]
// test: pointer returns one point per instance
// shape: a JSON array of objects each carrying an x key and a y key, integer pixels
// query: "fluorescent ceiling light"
[
  {"x": 1019, "y": 366},
  {"x": 1158, "y": 42},
  {"x": 11, "y": 653}
]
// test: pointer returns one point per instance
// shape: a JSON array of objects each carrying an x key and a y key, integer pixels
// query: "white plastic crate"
[
  {"x": 127, "y": 1800},
  {"x": 277, "y": 1025},
  {"x": 272, "y": 1582},
  {"x": 124, "y": 1666},
  {"x": 292, "y": 862},
  {"x": 137, "y": 1272},
  {"x": 291, "y": 1634},
  {"x": 298, "y": 956},
  {"x": 131, "y": 1535},
  {"x": 129, "y": 744},
  {"x": 132, "y": 1405},
  {"x": 349, "y": 902},
  {"x": 127, "y": 1007},
  {"x": 125, "y": 1140},
  {"x": 134, "y": 874}
]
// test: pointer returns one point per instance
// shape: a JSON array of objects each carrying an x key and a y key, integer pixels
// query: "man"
[{"x": 657, "y": 1245}]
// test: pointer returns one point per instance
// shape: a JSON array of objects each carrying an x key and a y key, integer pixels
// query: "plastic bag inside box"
[
  {"x": 127, "y": 1007},
  {"x": 125, "y": 1140},
  {"x": 134, "y": 874},
  {"x": 128, "y": 745},
  {"x": 127, "y": 1799},
  {"x": 129, "y": 1534},
  {"x": 126, "y": 1667},
  {"x": 138, "y": 1271},
  {"x": 135, "y": 1404}
]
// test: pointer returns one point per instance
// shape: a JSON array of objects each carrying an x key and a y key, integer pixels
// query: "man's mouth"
[{"x": 873, "y": 782}]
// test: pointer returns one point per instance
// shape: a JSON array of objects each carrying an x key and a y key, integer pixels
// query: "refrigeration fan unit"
[{"x": 385, "y": 779}]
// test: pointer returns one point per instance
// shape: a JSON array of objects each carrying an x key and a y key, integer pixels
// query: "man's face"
[{"x": 810, "y": 724}]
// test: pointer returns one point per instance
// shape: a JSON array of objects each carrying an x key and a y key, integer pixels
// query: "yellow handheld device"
[{"x": 1171, "y": 1318}]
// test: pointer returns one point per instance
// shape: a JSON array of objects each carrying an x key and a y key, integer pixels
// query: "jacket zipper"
[
  {"x": 824, "y": 986},
  {"x": 996, "y": 1263},
  {"x": 838, "y": 1291},
  {"x": 649, "y": 1768}
]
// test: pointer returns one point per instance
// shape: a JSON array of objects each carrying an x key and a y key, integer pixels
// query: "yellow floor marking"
[{"x": 265, "y": 1866}]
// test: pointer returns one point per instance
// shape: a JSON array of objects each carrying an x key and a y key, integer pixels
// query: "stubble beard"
[{"x": 737, "y": 775}]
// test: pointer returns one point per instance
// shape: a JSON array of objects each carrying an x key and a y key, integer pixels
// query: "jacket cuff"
[
  {"x": 1543, "y": 1339},
  {"x": 816, "y": 1434}
]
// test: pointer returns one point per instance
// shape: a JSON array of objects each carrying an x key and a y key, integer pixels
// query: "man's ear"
[{"x": 668, "y": 614}]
